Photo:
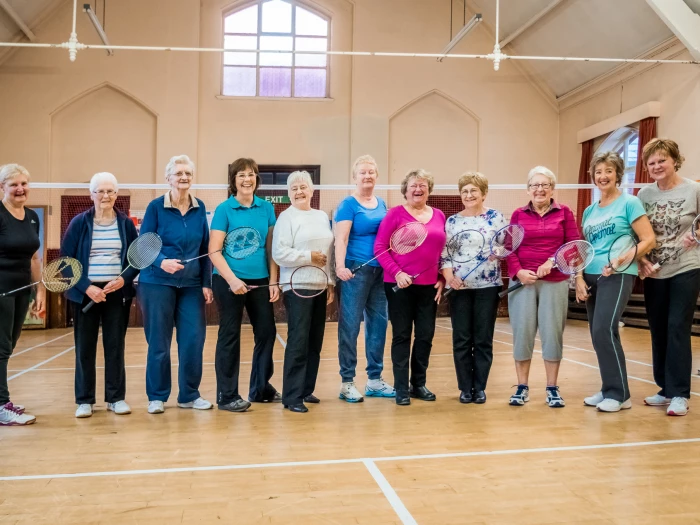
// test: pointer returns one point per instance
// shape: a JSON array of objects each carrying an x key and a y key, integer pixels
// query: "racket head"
[
  {"x": 574, "y": 256},
  {"x": 62, "y": 274},
  {"x": 506, "y": 240},
  {"x": 242, "y": 242},
  {"x": 465, "y": 246},
  {"x": 408, "y": 237},
  {"x": 622, "y": 253},
  {"x": 308, "y": 281},
  {"x": 694, "y": 229},
  {"x": 143, "y": 251}
]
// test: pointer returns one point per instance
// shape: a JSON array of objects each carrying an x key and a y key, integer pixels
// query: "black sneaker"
[
  {"x": 521, "y": 396},
  {"x": 554, "y": 399},
  {"x": 238, "y": 405}
]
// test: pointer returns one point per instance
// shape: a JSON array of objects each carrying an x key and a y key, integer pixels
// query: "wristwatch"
[{"x": 552, "y": 260}]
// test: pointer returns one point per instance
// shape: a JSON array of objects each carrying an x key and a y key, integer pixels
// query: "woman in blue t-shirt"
[
  {"x": 616, "y": 213},
  {"x": 362, "y": 294},
  {"x": 230, "y": 284}
]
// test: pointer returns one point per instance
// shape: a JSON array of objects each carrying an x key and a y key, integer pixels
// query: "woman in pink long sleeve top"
[
  {"x": 415, "y": 303},
  {"x": 544, "y": 300}
]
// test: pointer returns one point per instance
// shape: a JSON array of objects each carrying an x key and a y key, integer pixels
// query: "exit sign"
[{"x": 277, "y": 199}]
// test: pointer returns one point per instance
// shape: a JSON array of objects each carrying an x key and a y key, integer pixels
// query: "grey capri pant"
[{"x": 542, "y": 305}]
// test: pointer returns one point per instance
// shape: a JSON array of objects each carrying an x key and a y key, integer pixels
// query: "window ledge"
[{"x": 289, "y": 99}]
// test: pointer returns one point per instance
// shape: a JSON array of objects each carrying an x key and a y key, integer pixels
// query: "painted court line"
[
  {"x": 477, "y": 453},
  {"x": 15, "y": 354},
  {"x": 282, "y": 341},
  {"x": 390, "y": 493},
  {"x": 40, "y": 364}
]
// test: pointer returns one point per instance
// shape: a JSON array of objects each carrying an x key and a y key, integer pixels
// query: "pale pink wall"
[
  {"x": 517, "y": 127},
  {"x": 677, "y": 87}
]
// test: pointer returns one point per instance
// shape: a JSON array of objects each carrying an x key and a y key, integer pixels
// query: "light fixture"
[
  {"x": 462, "y": 33},
  {"x": 98, "y": 27}
]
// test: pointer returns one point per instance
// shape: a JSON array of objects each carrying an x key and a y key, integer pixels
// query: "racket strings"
[
  {"x": 507, "y": 240},
  {"x": 62, "y": 274},
  {"x": 622, "y": 253},
  {"x": 574, "y": 256},
  {"x": 308, "y": 281},
  {"x": 408, "y": 238},
  {"x": 465, "y": 246},
  {"x": 242, "y": 242},
  {"x": 144, "y": 250}
]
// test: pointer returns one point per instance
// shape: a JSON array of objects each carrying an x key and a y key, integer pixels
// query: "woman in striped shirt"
[{"x": 99, "y": 238}]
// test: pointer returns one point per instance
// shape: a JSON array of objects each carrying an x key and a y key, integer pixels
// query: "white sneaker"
[
  {"x": 83, "y": 410},
  {"x": 613, "y": 405},
  {"x": 10, "y": 415},
  {"x": 349, "y": 393},
  {"x": 593, "y": 400},
  {"x": 379, "y": 388},
  {"x": 198, "y": 404},
  {"x": 657, "y": 400},
  {"x": 678, "y": 407},
  {"x": 156, "y": 407},
  {"x": 120, "y": 408}
]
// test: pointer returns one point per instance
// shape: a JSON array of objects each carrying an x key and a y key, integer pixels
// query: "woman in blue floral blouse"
[{"x": 474, "y": 300}]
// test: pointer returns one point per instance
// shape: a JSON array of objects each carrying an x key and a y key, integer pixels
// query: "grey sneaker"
[{"x": 238, "y": 405}]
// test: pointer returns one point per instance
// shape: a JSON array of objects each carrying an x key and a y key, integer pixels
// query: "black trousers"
[
  {"x": 113, "y": 314},
  {"x": 306, "y": 322},
  {"x": 409, "y": 307},
  {"x": 228, "y": 345},
  {"x": 605, "y": 305},
  {"x": 13, "y": 311},
  {"x": 670, "y": 305},
  {"x": 473, "y": 314}
]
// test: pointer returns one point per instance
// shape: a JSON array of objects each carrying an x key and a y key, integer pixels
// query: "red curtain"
[
  {"x": 584, "y": 195},
  {"x": 647, "y": 131}
]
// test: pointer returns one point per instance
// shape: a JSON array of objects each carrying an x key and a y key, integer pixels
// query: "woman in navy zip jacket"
[
  {"x": 99, "y": 238},
  {"x": 172, "y": 295}
]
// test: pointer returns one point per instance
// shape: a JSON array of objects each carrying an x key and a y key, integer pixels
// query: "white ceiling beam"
[
  {"x": 17, "y": 20},
  {"x": 680, "y": 19},
  {"x": 532, "y": 21}
]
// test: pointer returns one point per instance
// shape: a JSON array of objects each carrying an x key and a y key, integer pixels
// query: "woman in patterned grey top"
[
  {"x": 474, "y": 302},
  {"x": 671, "y": 292}
]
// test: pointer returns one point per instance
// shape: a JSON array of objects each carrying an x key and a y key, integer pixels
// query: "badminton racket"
[
  {"x": 239, "y": 243},
  {"x": 404, "y": 240},
  {"x": 504, "y": 242},
  {"x": 58, "y": 276},
  {"x": 694, "y": 232},
  {"x": 570, "y": 258},
  {"x": 141, "y": 254},
  {"x": 306, "y": 282},
  {"x": 621, "y": 255}
]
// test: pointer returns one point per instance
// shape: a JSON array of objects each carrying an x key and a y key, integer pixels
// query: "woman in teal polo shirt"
[{"x": 230, "y": 285}]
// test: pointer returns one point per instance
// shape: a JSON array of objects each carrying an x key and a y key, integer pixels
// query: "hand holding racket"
[
  {"x": 504, "y": 242},
  {"x": 570, "y": 258},
  {"x": 689, "y": 241},
  {"x": 621, "y": 255},
  {"x": 141, "y": 254},
  {"x": 404, "y": 240},
  {"x": 58, "y": 276}
]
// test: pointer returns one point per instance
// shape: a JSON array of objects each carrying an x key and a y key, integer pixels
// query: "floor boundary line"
[
  {"x": 18, "y": 374},
  {"x": 390, "y": 494},
  {"x": 15, "y": 354},
  {"x": 349, "y": 461}
]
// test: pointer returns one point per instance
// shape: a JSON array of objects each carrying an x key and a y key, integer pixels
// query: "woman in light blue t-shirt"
[
  {"x": 616, "y": 213},
  {"x": 362, "y": 295}
]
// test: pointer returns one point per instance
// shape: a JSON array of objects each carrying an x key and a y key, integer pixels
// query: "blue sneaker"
[
  {"x": 521, "y": 396},
  {"x": 554, "y": 399},
  {"x": 379, "y": 388}
]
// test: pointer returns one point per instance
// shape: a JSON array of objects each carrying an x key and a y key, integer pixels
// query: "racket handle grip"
[
  {"x": 511, "y": 289},
  {"x": 448, "y": 292},
  {"x": 396, "y": 288},
  {"x": 88, "y": 306},
  {"x": 355, "y": 270},
  {"x": 656, "y": 267}
]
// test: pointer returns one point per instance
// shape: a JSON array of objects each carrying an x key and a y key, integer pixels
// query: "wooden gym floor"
[{"x": 374, "y": 463}]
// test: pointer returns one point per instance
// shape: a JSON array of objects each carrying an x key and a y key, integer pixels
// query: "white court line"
[
  {"x": 282, "y": 341},
  {"x": 15, "y": 354},
  {"x": 577, "y": 362},
  {"x": 477, "y": 453},
  {"x": 40, "y": 364},
  {"x": 390, "y": 493}
]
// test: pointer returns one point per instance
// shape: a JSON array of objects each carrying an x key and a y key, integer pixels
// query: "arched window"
[
  {"x": 281, "y": 26},
  {"x": 625, "y": 142}
]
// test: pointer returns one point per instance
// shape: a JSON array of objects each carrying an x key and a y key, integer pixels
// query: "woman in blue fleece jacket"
[
  {"x": 100, "y": 238},
  {"x": 172, "y": 295}
]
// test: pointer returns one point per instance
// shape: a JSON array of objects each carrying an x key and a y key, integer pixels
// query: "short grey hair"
[
  {"x": 99, "y": 178},
  {"x": 299, "y": 176},
  {"x": 10, "y": 171},
  {"x": 541, "y": 170},
  {"x": 364, "y": 159},
  {"x": 171, "y": 168}
]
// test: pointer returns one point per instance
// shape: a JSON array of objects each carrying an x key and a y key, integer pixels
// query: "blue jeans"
[
  {"x": 362, "y": 296},
  {"x": 165, "y": 308}
]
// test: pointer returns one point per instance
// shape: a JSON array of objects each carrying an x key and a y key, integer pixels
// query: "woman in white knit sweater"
[{"x": 303, "y": 236}]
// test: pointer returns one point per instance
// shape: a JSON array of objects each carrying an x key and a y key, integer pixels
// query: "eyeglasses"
[
  {"x": 102, "y": 193},
  {"x": 545, "y": 186},
  {"x": 187, "y": 174},
  {"x": 475, "y": 192}
]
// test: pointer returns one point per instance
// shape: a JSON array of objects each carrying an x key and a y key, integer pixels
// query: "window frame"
[
  {"x": 293, "y": 35},
  {"x": 620, "y": 139}
]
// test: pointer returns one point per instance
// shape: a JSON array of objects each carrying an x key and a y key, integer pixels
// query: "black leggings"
[{"x": 13, "y": 311}]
